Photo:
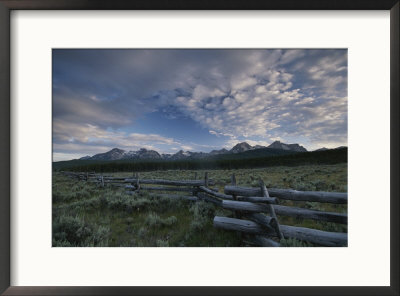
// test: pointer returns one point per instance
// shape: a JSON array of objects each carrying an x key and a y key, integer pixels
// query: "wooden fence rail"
[
  {"x": 288, "y": 194},
  {"x": 286, "y": 211},
  {"x": 244, "y": 206},
  {"x": 117, "y": 180},
  {"x": 179, "y": 189},
  {"x": 265, "y": 221},
  {"x": 170, "y": 182},
  {"x": 241, "y": 225},
  {"x": 257, "y": 199},
  {"x": 311, "y": 214},
  {"x": 214, "y": 193}
]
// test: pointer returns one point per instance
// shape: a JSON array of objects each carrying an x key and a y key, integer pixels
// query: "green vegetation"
[
  {"x": 291, "y": 242},
  {"x": 87, "y": 215}
]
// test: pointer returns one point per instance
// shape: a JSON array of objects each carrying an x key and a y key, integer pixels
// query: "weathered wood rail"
[
  {"x": 170, "y": 183},
  {"x": 286, "y": 211},
  {"x": 287, "y": 194},
  {"x": 311, "y": 214},
  {"x": 256, "y": 211}
]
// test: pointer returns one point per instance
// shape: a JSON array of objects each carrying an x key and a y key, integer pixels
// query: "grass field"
[{"x": 87, "y": 215}]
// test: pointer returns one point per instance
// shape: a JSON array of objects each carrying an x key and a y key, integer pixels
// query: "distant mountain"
[
  {"x": 241, "y": 147},
  {"x": 113, "y": 154},
  {"x": 288, "y": 147},
  {"x": 263, "y": 157},
  {"x": 117, "y": 154},
  {"x": 219, "y": 152},
  {"x": 180, "y": 155},
  {"x": 144, "y": 154},
  {"x": 239, "y": 150},
  {"x": 322, "y": 149},
  {"x": 258, "y": 147}
]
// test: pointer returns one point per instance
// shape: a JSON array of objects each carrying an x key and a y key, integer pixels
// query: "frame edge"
[
  {"x": 4, "y": 147},
  {"x": 5, "y": 187},
  {"x": 394, "y": 146}
]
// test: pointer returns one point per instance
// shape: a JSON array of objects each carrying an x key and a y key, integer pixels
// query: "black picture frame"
[{"x": 7, "y": 6}]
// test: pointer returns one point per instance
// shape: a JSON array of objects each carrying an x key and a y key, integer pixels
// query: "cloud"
[
  {"x": 221, "y": 134},
  {"x": 57, "y": 156},
  {"x": 326, "y": 71},
  {"x": 291, "y": 55},
  {"x": 74, "y": 138},
  {"x": 240, "y": 94},
  {"x": 246, "y": 111}
]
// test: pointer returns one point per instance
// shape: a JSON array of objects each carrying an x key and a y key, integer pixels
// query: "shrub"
[
  {"x": 292, "y": 242},
  {"x": 333, "y": 227},
  {"x": 320, "y": 185},
  {"x": 162, "y": 203},
  {"x": 71, "y": 229},
  {"x": 153, "y": 219},
  {"x": 82, "y": 194},
  {"x": 99, "y": 237},
  {"x": 125, "y": 203},
  {"x": 142, "y": 232},
  {"x": 302, "y": 186},
  {"x": 203, "y": 213},
  {"x": 61, "y": 243},
  {"x": 203, "y": 209},
  {"x": 86, "y": 204},
  {"x": 74, "y": 231},
  {"x": 313, "y": 206},
  {"x": 162, "y": 243},
  {"x": 130, "y": 220},
  {"x": 254, "y": 183},
  {"x": 170, "y": 220}
]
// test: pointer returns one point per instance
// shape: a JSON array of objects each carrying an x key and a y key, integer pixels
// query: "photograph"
[
  {"x": 199, "y": 147},
  {"x": 176, "y": 148}
]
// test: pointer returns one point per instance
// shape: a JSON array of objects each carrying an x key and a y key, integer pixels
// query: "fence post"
[
  {"x": 102, "y": 180},
  {"x": 233, "y": 183},
  {"x": 134, "y": 176},
  {"x": 233, "y": 180},
  {"x": 206, "y": 179},
  {"x": 264, "y": 192},
  {"x": 236, "y": 213},
  {"x": 137, "y": 182},
  {"x": 195, "y": 189}
]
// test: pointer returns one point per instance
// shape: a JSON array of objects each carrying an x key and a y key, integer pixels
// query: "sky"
[{"x": 196, "y": 100}]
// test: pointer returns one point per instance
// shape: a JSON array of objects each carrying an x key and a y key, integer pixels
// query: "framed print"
[{"x": 169, "y": 148}]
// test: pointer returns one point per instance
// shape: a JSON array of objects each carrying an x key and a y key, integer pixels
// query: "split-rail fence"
[{"x": 255, "y": 209}]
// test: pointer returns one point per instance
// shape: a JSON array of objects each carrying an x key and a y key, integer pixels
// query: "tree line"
[{"x": 333, "y": 156}]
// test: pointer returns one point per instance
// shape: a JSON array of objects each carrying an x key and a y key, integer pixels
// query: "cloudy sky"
[{"x": 196, "y": 100}]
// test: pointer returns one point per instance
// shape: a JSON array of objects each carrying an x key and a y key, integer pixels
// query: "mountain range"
[{"x": 276, "y": 148}]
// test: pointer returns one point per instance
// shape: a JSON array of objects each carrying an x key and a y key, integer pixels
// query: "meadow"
[{"x": 86, "y": 215}]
